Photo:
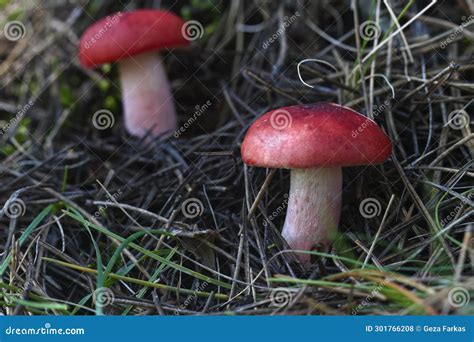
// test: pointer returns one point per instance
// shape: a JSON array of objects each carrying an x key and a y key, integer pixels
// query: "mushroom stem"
[
  {"x": 146, "y": 95},
  {"x": 314, "y": 208}
]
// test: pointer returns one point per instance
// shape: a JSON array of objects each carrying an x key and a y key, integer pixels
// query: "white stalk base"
[
  {"x": 314, "y": 209},
  {"x": 146, "y": 95}
]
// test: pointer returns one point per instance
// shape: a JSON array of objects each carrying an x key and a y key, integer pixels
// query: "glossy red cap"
[
  {"x": 314, "y": 135},
  {"x": 122, "y": 35}
]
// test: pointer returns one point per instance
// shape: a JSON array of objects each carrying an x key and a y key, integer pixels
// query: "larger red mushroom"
[
  {"x": 133, "y": 40},
  {"x": 314, "y": 141}
]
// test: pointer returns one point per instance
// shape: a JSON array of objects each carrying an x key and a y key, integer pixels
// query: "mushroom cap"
[
  {"x": 122, "y": 35},
  {"x": 314, "y": 135}
]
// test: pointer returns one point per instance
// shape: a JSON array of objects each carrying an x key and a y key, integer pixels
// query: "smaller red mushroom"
[
  {"x": 133, "y": 39},
  {"x": 314, "y": 141}
]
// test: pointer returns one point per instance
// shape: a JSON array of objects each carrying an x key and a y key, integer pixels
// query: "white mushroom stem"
[
  {"x": 314, "y": 209},
  {"x": 146, "y": 95}
]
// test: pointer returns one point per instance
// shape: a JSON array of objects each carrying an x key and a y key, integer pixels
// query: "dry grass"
[{"x": 102, "y": 227}]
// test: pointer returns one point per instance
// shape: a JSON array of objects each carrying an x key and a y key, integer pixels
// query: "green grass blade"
[
  {"x": 149, "y": 253},
  {"x": 31, "y": 227}
]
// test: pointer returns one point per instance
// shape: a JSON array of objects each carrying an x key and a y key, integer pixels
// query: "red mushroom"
[
  {"x": 133, "y": 39},
  {"x": 314, "y": 141}
]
